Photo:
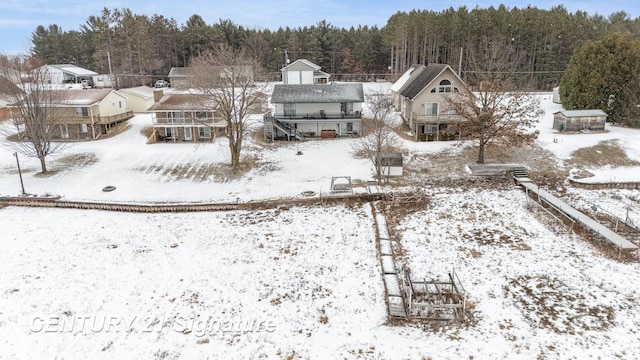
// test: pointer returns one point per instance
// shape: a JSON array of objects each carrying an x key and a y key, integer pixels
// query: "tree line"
[{"x": 146, "y": 47}]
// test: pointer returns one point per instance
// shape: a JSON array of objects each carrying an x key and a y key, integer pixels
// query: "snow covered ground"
[{"x": 298, "y": 282}]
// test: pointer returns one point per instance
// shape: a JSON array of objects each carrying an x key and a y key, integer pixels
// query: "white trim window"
[
  {"x": 289, "y": 109},
  {"x": 82, "y": 111},
  {"x": 188, "y": 133},
  {"x": 204, "y": 132},
  {"x": 431, "y": 109},
  {"x": 64, "y": 131},
  {"x": 445, "y": 86},
  {"x": 83, "y": 128}
]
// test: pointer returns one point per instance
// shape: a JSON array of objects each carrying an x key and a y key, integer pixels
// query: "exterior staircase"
[
  {"x": 271, "y": 122},
  {"x": 520, "y": 172}
]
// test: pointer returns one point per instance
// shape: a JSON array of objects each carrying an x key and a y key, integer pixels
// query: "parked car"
[{"x": 161, "y": 84}]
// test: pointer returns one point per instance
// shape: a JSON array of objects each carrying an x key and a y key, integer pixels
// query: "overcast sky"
[{"x": 19, "y": 18}]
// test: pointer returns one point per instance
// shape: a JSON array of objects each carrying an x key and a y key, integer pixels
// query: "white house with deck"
[
  {"x": 315, "y": 110},
  {"x": 306, "y": 104}
]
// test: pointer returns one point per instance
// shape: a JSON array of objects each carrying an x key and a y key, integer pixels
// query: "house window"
[
  {"x": 83, "y": 128},
  {"x": 188, "y": 134},
  {"x": 430, "y": 129},
  {"x": 204, "y": 132},
  {"x": 445, "y": 86},
  {"x": 289, "y": 109},
  {"x": 346, "y": 108},
  {"x": 201, "y": 115},
  {"x": 431, "y": 109},
  {"x": 64, "y": 131},
  {"x": 172, "y": 133},
  {"x": 174, "y": 117},
  {"x": 82, "y": 111},
  {"x": 451, "y": 112},
  {"x": 120, "y": 104}
]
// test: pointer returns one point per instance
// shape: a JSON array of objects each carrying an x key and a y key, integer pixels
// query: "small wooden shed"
[
  {"x": 391, "y": 164},
  {"x": 577, "y": 120}
]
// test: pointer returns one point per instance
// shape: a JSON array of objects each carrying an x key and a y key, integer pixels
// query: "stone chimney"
[{"x": 157, "y": 95}]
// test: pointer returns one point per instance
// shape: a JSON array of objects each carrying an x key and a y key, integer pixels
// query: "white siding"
[{"x": 113, "y": 104}]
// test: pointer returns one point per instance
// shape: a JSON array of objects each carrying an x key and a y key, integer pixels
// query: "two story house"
[
  {"x": 307, "y": 105},
  {"x": 184, "y": 117},
  {"x": 303, "y": 71},
  {"x": 87, "y": 114},
  {"x": 421, "y": 97}
]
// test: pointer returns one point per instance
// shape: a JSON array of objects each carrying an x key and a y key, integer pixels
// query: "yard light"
[{"x": 19, "y": 172}]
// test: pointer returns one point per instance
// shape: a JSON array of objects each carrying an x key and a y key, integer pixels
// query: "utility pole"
[
  {"x": 19, "y": 173},
  {"x": 460, "y": 64}
]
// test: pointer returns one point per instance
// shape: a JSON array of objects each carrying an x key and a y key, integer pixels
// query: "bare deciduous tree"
[
  {"x": 497, "y": 112},
  {"x": 379, "y": 137},
  {"x": 495, "y": 115},
  {"x": 226, "y": 77},
  {"x": 35, "y": 109}
]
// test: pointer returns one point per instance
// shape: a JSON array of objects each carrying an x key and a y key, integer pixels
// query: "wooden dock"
[
  {"x": 544, "y": 196},
  {"x": 395, "y": 301}
]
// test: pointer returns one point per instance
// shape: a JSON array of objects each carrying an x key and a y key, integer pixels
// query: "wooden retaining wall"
[
  {"x": 610, "y": 185},
  {"x": 55, "y": 202}
]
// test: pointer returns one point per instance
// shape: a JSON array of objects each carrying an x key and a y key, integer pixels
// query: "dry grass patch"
[
  {"x": 549, "y": 303},
  {"x": 605, "y": 153}
]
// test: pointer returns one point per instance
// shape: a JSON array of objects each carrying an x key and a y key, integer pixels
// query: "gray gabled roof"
[
  {"x": 182, "y": 102},
  {"x": 317, "y": 93},
  {"x": 422, "y": 80},
  {"x": 404, "y": 78},
  {"x": 581, "y": 113},
  {"x": 301, "y": 64}
]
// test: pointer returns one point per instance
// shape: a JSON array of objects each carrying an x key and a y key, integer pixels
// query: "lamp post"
[{"x": 19, "y": 172}]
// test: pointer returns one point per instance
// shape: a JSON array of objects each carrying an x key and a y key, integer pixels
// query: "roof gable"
[
  {"x": 317, "y": 93},
  {"x": 301, "y": 65},
  {"x": 424, "y": 79}
]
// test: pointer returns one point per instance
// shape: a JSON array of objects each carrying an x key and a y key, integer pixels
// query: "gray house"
[
  {"x": 315, "y": 110},
  {"x": 421, "y": 95},
  {"x": 576, "y": 120}
]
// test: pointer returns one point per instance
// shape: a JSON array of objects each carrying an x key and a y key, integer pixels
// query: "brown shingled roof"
[{"x": 183, "y": 102}]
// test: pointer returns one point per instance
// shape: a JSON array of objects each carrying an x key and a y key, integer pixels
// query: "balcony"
[
  {"x": 187, "y": 121},
  {"x": 321, "y": 115},
  {"x": 438, "y": 119},
  {"x": 97, "y": 120}
]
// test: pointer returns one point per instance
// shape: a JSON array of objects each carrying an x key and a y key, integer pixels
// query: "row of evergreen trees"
[{"x": 539, "y": 43}]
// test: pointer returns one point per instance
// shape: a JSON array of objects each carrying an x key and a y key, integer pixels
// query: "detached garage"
[{"x": 576, "y": 120}]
